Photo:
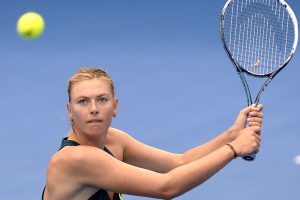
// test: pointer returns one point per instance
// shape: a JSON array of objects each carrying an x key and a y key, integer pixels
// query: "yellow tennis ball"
[{"x": 30, "y": 25}]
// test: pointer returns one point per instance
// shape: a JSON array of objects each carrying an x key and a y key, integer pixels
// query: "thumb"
[{"x": 242, "y": 117}]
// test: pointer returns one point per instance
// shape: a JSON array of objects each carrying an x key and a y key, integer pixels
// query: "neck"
[{"x": 95, "y": 141}]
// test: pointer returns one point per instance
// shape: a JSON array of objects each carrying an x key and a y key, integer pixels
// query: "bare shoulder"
[
  {"x": 116, "y": 135},
  {"x": 63, "y": 157},
  {"x": 63, "y": 164},
  {"x": 63, "y": 179},
  {"x": 59, "y": 180},
  {"x": 71, "y": 157},
  {"x": 116, "y": 142}
]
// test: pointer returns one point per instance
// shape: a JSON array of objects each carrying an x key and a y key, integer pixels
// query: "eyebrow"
[{"x": 86, "y": 97}]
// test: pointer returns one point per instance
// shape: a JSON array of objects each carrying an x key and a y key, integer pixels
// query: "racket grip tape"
[{"x": 250, "y": 157}]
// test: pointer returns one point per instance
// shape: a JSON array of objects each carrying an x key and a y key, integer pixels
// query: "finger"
[
  {"x": 255, "y": 129},
  {"x": 256, "y": 114},
  {"x": 255, "y": 119},
  {"x": 258, "y": 138},
  {"x": 260, "y": 106},
  {"x": 253, "y": 107},
  {"x": 256, "y": 142},
  {"x": 242, "y": 117},
  {"x": 257, "y": 107},
  {"x": 258, "y": 145},
  {"x": 254, "y": 124},
  {"x": 246, "y": 110}
]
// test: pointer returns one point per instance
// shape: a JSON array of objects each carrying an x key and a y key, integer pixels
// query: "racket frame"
[{"x": 240, "y": 70}]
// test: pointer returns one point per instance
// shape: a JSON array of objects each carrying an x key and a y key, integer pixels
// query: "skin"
[{"x": 77, "y": 172}]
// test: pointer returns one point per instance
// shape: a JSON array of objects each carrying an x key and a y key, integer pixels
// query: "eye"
[
  {"x": 83, "y": 101},
  {"x": 102, "y": 99}
]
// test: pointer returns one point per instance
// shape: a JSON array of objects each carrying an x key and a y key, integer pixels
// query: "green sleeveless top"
[{"x": 100, "y": 194}]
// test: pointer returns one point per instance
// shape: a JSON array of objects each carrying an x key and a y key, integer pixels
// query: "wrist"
[{"x": 232, "y": 149}]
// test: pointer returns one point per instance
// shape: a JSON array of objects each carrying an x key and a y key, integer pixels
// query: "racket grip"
[{"x": 251, "y": 156}]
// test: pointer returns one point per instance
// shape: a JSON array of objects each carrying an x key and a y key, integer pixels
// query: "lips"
[{"x": 94, "y": 121}]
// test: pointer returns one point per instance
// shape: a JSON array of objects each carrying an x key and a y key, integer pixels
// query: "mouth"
[{"x": 94, "y": 121}]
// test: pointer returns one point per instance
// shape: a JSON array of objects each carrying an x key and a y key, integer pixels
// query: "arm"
[
  {"x": 100, "y": 170},
  {"x": 141, "y": 155},
  {"x": 255, "y": 119}
]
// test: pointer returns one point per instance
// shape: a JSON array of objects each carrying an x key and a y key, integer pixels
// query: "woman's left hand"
[{"x": 249, "y": 116}]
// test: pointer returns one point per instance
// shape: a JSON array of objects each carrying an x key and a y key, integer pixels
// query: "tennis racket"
[{"x": 260, "y": 38}]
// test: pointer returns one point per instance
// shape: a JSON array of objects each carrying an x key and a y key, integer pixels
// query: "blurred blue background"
[{"x": 176, "y": 88}]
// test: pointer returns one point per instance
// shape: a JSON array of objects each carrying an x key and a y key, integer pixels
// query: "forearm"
[
  {"x": 188, "y": 176},
  {"x": 205, "y": 149}
]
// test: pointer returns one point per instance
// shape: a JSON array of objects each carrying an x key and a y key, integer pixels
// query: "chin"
[{"x": 96, "y": 131}]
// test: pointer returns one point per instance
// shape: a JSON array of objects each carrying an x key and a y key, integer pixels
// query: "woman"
[{"x": 100, "y": 162}]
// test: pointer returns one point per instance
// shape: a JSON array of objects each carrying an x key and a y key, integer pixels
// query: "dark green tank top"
[{"x": 100, "y": 194}]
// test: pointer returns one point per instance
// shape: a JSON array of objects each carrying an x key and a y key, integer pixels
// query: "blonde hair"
[{"x": 88, "y": 74}]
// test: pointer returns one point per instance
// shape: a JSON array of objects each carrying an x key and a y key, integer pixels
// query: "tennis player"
[{"x": 97, "y": 162}]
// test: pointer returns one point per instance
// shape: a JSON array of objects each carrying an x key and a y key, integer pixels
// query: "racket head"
[{"x": 259, "y": 36}]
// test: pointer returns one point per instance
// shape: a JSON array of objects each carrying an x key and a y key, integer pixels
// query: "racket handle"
[{"x": 251, "y": 156}]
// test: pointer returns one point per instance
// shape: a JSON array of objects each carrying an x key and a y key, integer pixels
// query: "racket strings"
[{"x": 259, "y": 33}]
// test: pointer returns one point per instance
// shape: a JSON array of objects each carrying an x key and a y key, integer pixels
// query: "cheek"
[
  {"x": 108, "y": 119},
  {"x": 79, "y": 121},
  {"x": 109, "y": 112},
  {"x": 77, "y": 114}
]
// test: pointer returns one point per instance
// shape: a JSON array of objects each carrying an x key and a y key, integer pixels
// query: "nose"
[
  {"x": 94, "y": 112},
  {"x": 93, "y": 109}
]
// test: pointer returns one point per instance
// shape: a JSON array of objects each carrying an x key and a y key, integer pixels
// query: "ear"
[
  {"x": 69, "y": 111},
  {"x": 116, "y": 102}
]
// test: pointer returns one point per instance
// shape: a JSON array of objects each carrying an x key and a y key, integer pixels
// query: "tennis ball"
[{"x": 30, "y": 25}]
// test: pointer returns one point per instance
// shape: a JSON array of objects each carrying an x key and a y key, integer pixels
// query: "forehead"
[{"x": 90, "y": 88}]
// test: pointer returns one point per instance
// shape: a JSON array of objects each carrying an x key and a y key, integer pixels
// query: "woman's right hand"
[{"x": 248, "y": 141}]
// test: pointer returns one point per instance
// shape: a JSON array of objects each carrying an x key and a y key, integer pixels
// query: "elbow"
[
  {"x": 169, "y": 189},
  {"x": 169, "y": 195}
]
